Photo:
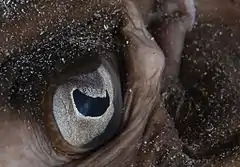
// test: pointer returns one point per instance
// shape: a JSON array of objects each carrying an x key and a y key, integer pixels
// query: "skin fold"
[{"x": 161, "y": 51}]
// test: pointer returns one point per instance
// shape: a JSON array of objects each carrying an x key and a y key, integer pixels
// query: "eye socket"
[{"x": 84, "y": 111}]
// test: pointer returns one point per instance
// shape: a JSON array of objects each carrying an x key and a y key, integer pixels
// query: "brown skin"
[
  {"x": 208, "y": 118},
  {"x": 219, "y": 50},
  {"x": 149, "y": 135}
]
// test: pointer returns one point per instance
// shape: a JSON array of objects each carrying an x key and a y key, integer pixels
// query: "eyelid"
[{"x": 80, "y": 65}]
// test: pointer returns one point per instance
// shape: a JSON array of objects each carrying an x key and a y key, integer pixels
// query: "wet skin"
[{"x": 140, "y": 43}]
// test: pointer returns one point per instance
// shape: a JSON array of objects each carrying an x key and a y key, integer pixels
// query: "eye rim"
[{"x": 59, "y": 144}]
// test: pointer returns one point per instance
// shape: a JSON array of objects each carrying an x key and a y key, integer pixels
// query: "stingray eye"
[{"x": 86, "y": 109}]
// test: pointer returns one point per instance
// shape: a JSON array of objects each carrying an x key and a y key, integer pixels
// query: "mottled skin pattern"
[{"x": 179, "y": 109}]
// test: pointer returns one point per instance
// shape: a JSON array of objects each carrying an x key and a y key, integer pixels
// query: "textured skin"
[{"x": 154, "y": 35}]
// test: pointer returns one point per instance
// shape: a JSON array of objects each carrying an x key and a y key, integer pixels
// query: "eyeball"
[{"x": 84, "y": 107}]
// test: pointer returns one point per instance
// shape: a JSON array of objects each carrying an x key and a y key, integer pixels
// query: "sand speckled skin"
[{"x": 181, "y": 96}]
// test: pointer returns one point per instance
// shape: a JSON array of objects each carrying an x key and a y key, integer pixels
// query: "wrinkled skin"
[{"x": 158, "y": 128}]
